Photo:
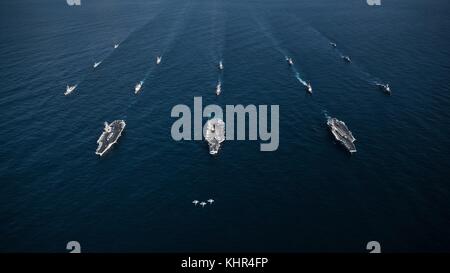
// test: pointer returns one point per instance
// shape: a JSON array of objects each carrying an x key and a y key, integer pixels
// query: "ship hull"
[
  {"x": 342, "y": 134},
  {"x": 108, "y": 139}
]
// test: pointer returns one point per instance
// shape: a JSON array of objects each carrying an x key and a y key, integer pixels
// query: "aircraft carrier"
[
  {"x": 342, "y": 134},
  {"x": 111, "y": 133},
  {"x": 215, "y": 134}
]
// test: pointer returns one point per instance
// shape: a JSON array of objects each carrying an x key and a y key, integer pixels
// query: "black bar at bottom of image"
[{"x": 223, "y": 262}]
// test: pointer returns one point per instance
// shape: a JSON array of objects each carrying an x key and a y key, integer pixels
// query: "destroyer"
[
  {"x": 346, "y": 59},
  {"x": 342, "y": 134},
  {"x": 309, "y": 88},
  {"x": 215, "y": 134},
  {"x": 97, "y": 64},
  {"x": 110, "y": 135},
  {"x": 385, "y": 88},
  {"x": 138, "y": 87},
  {"x": 218, "y": 88},
  {"x": 70, "y": 89},
  {"x": 290, "y": 61}
]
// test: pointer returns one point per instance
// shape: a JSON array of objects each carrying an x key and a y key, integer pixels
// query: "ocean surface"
[{"x": 308, "y": 196}]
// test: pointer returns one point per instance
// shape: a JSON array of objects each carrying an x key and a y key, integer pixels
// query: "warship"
[
  {"x": 110, "y": 135},
  {"x": 309, "y": 88},
  {"x": 342, "y": 134},
  {"x": 218, "y": 88},
  {"x": 347, "y": 59},
  {"x": 70, "y": 89},
  {"x": 138, "y": 87},
  {"x": 215, "y": 134},
  {"x": 290, "y": 61},
  {"x": 385, "y": 88}
]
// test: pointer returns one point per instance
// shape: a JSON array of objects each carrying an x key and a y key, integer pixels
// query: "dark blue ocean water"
[{"x": 309, "y": 195}]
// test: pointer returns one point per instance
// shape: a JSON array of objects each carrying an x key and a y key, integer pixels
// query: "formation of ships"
[{"x": 215, "y": 128}]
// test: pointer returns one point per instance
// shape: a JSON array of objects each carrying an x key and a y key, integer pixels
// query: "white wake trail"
[{"x": 297, "y": 75}]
